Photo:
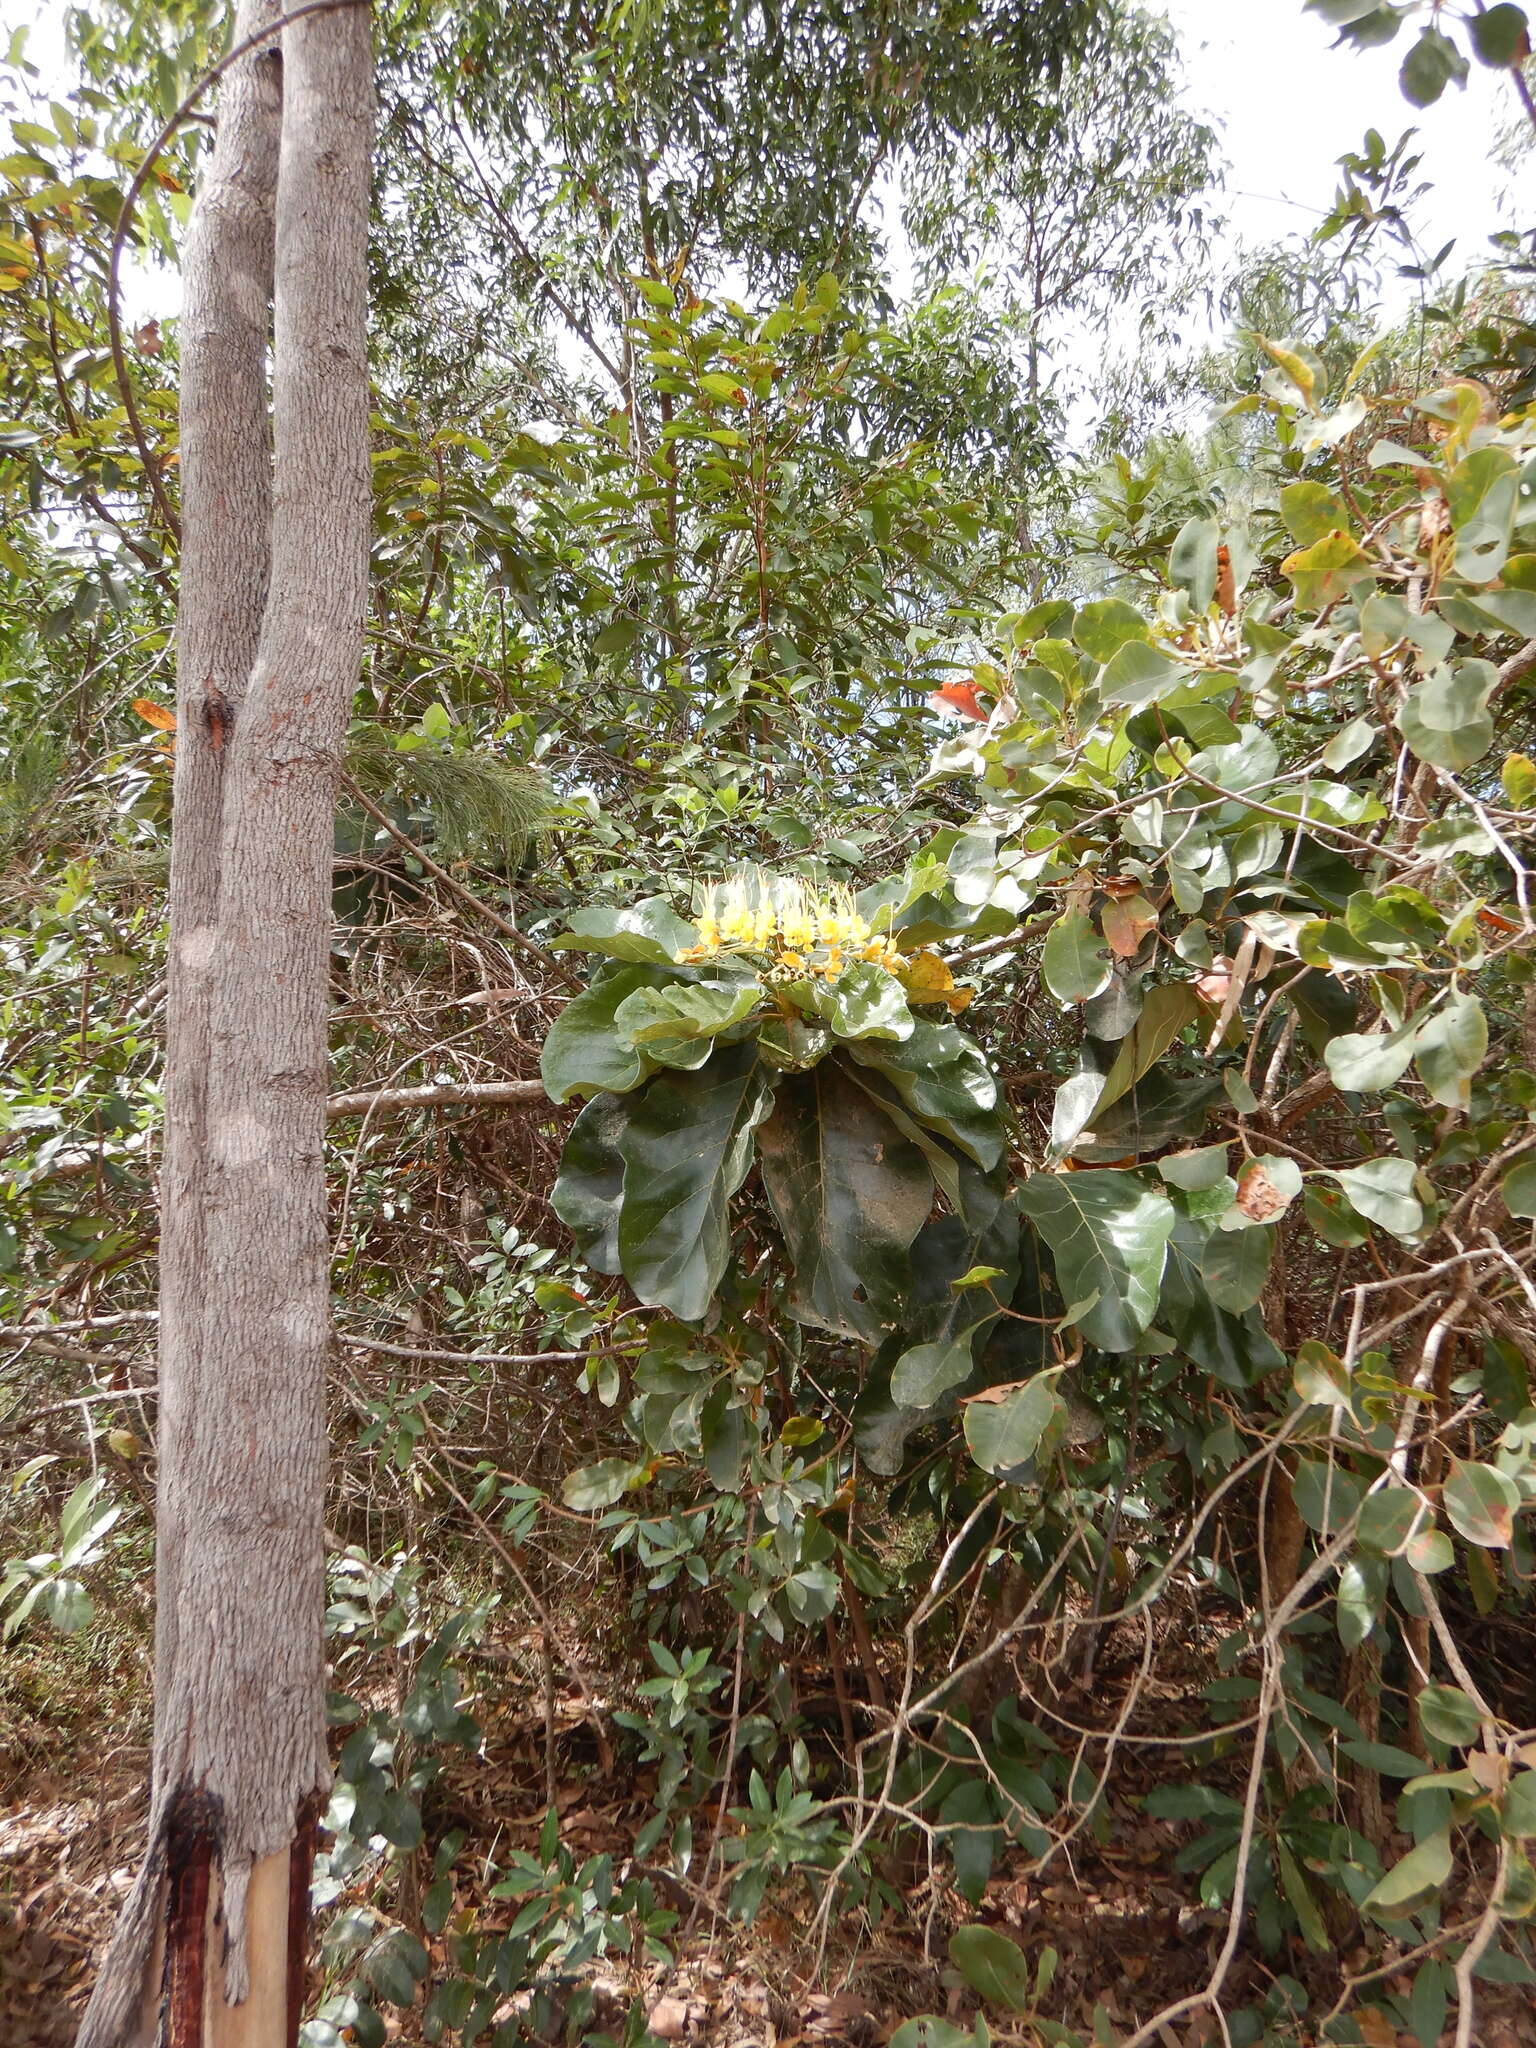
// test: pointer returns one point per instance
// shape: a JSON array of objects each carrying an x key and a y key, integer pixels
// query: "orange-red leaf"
[{"x": 958, "y": 700}]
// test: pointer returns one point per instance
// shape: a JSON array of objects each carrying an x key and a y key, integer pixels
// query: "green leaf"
[
  {"x": 994, "y": 1966},
  {"x": 1451, "y": 1047},
  {"x": 589, "y": 1186},
  {"x": 1429, "y": 68},
  {"x": 1519, "y": 1189},
  {"x": 583, "y": 1052},
  {"x": 1198, "y": 1170},
  {"x": 1101, "y": 629},
  {"x": 1382, "y": 1190},
  {"x": 1430, "y": 1551},
  {"x": 1446, "y": 1713},
  {"x": 592, "y": 1487},
  {"x": 943, "y": 1082},
  {"x": 399, "y": 1819},
  {"x": 1138, "y": 674},
  {"x": 677, "y": 1026},
  {"x": 1364, "y": 1062},
  {"x": 970, "y": 1832},
  {"x": 1321, "y": 1377},
  {"x": 1303, "y": 1905},
  {"x": 1310, "y": 510},
  {"x": 1005, "y": 1434},
  {"x": 1411, "y": 1883},
  {"x": 1327, "y": 569},
  {"x": 1074, "y": 961},
  {"x": 1482, "y": 492},
  {"x": 1501, "y": 36},
  {"x": 650, "y": 931},
  {"x": 850, "y": 1194},
  {"x": 1192, "y": 560},
  {"x": 1445, "y": 719},
  {"x": 929, "y": 2031},
  {"x": 1387, "y": 1519},
  {"x": 1385, "y": 1758},
  {"x": 1108, "y": 1231},
  {"x": 1362, "y": 1592},
  {"x": 1482, "y": 1503},
  {"x": 863, "y": 1002},
  {"x": 687, "y": 1147},
  {"x": 1325, "y": 1495},
  {"x": 1167, "y": 1009},
  {"x": 1517, "y": 1811},
  {"x": 1234, "y": 1264},
  {"x": 926, "y": 1371}
]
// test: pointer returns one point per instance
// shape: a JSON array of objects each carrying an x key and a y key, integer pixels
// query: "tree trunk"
[{"x": 210, "y": 1948}]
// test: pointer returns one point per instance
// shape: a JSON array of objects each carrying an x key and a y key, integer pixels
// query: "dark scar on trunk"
[
  {"x": 194, "y": 1829},
  {"x": 218, "y": 716},
  {"x": 301, "y": 1862}
]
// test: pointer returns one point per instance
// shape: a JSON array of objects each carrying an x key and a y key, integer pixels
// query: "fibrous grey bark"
[{"x": 274, "y": 582}]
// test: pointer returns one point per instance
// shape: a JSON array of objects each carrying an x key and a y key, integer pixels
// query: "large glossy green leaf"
[
  {"x": 1362, "y": 1062},
  {"x": 1103, "y": 627},
  {"x": 863, "y": 1002},
  {"x": 1482, "y": 1503},
  {"x": 1108, "y": 1232},
  {"x": 687, "y": 1148},
  {"x": 1234, "y": 1349},
  {"x": 585, "y": 1053},
  {"x": 589, "y": 1185},
  {"x": 942, "y": 1080},
  {"x": 650, "y": 931},
  {"x": 1414, "y": 1880},
  {"x": 1161, "y": 1108},
  {"x": 926, "y": 1371},
  {"x": 850, "y": 1194},
  {"x": 678, "y": 1026}
]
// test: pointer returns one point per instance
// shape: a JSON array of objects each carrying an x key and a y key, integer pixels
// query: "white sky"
[{"x": 1288, "y": 104}]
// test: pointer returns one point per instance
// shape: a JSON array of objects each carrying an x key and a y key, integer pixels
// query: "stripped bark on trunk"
[{"x": 209, "y": 1950}]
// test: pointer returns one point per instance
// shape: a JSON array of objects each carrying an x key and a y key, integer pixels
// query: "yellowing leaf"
[
  {"x": 1325, "y": 570},
  {"x": 1125, "y": 922},
  {"x": 160, "y": 716}
]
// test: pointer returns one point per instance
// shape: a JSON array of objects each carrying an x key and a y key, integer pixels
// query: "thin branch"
[{"x": 364, "y": 1101}]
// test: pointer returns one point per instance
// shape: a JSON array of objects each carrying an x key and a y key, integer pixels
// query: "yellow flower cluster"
[{"x": 791, "y": 925}]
